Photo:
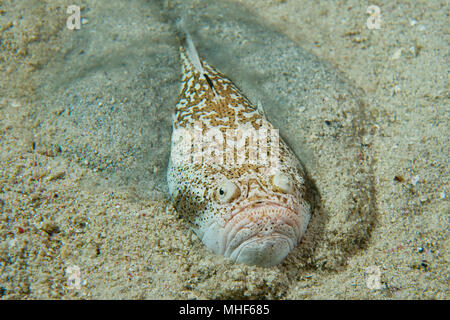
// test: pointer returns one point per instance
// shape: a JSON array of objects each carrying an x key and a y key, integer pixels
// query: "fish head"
[{"x": 254, "y": 216}]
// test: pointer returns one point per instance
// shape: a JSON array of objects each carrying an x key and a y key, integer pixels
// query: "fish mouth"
[
  {"x": 262, "y": 234},
  {"x": 263, "y": 251}
]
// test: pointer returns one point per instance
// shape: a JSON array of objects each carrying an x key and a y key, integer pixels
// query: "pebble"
[
  {"x": 396, "y": 89},
  {"x": 49, "y": 227},
  {"x": 397, "y": 54},
  {"x": 413, "y": 51}
]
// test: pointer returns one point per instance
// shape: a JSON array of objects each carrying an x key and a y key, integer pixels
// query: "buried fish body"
[{"x": 230, "y": 175}]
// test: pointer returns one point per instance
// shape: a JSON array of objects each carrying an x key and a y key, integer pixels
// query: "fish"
[{"x": 231, "y": 177}]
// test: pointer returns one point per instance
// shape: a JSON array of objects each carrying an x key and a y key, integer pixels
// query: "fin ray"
[{"x": 192, "y": 54}]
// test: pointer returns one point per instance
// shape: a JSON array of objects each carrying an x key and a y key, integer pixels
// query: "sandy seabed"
[{"x": 82, "y": 190}]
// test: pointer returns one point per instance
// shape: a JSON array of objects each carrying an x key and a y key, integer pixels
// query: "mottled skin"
[{"x": 254, "y": 213}]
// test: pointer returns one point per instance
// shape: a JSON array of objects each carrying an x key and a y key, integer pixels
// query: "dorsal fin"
[{"x": 192, "y": 54}]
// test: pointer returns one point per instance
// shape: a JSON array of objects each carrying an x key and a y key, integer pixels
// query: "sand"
[{"x": 85, "y": 126}]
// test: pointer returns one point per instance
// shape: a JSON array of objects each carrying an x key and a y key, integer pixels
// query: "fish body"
[{"x": 230, "y": 176}]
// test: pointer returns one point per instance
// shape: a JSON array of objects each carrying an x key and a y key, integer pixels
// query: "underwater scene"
[{"x": 216, "y": 150}]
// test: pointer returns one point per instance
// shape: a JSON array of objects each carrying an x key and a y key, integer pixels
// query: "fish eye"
[
  {"x": 226, "y": 191},
  {"x": 282, "y": 182}
]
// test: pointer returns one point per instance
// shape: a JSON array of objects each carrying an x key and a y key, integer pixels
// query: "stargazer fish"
[{"x": 230, "y": 176}]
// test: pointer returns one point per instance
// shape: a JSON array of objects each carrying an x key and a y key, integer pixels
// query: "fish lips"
[{"x": 261, "y": 234}]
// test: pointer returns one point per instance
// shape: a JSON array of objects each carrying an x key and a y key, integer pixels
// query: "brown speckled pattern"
[{"x": 218, "y": 103}]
